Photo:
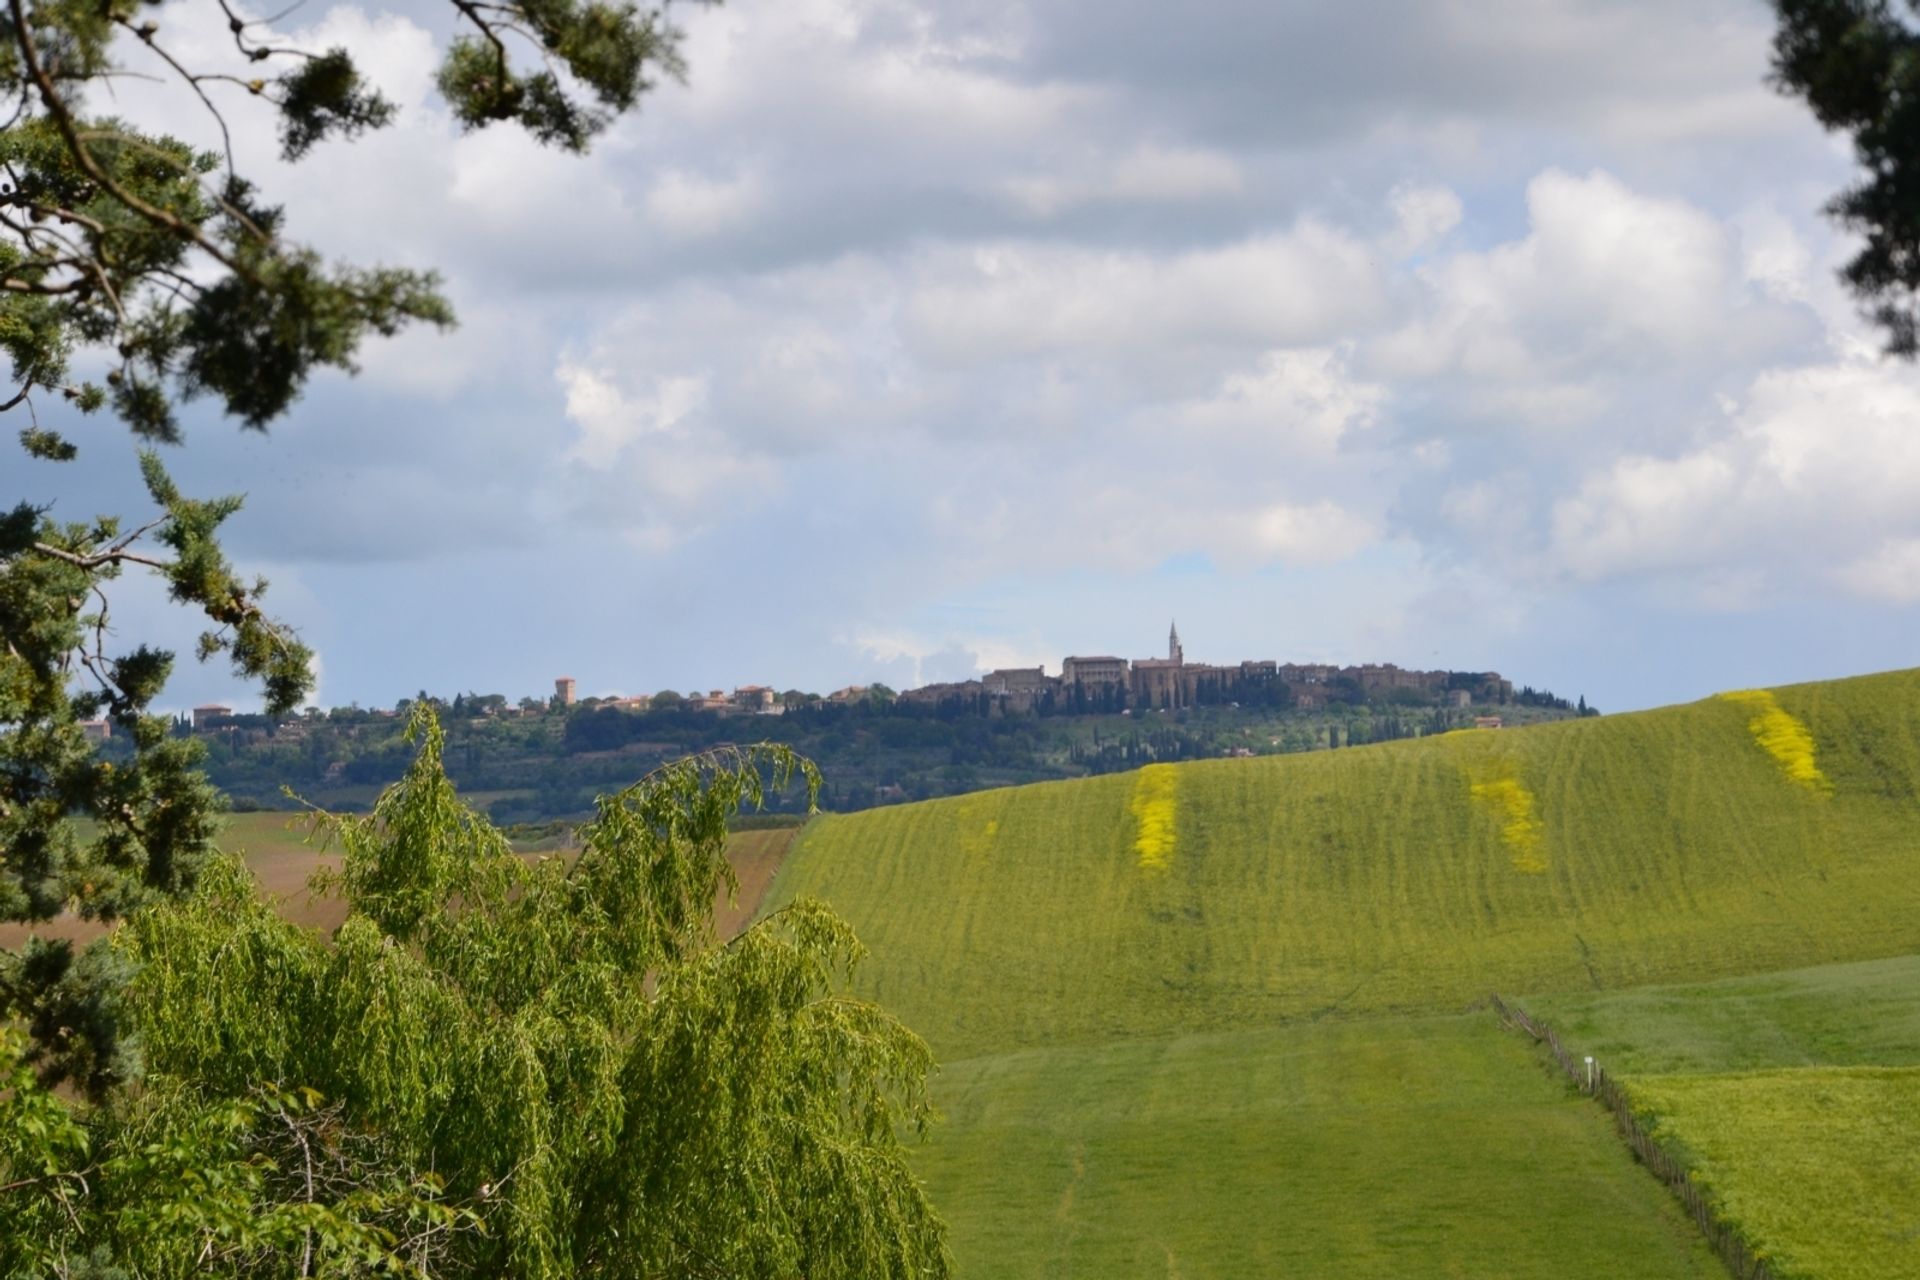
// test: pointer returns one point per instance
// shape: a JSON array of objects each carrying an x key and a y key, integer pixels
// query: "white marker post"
[{"x": 1589, "y": 1073}]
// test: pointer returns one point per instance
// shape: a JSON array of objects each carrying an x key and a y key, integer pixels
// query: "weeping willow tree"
[{"x": 494, "y": 1066}]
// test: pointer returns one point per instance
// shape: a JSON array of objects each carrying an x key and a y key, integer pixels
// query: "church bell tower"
[{"x": 1174, "y": 653}]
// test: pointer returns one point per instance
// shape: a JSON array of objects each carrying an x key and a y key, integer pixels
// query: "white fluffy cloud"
[
  {"x": 1423, "y": 214},
  {"x": 692, "y": 205},
  {"x": 1306, "y": 284},
  {"x": 1816, "y": 469},
  {"x": 1891, "y": 572},
  {"x": 610, "y": 422},
  {"x": 1608, "y": 283}
]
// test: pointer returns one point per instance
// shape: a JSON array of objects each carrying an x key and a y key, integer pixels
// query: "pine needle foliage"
[
  {"x": 1856, "y": 64},
  {"x": 608, "y": 1088}
]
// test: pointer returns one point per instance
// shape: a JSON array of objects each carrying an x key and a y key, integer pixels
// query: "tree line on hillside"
[{"x": 871, "y": 751}]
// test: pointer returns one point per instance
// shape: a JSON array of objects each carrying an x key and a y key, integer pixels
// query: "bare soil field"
[{"x": 276, "y": 850}]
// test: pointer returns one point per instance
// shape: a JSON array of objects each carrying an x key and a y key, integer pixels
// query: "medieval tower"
[{"x": 1174, "y": 653}]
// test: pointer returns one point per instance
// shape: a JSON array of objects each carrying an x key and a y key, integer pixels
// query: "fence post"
[{"x": 1725, "y": 1240}]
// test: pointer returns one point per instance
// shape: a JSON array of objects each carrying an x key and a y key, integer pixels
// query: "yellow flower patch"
[
  {"x": 977, "y": 840},
  {"x": 1782, "y": 735},
  {"x": 1507, "y": 799},
  {"x": 1152, "y": 807}
]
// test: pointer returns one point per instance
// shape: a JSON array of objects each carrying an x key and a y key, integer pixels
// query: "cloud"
[
  {"x": 1147, "y": 174},
  {"x": 1890, "y": 573},
  {"x": 1647, "y": 513},
  {"x": 652, "y": 465},
  {"x": 907, "y": 660},
  {"x": 610, "y": 422},
  {"x": 1309, "y": 283},
  {"x": 1814, "y": 469},
  {"x": 689, "y": 205},
  {"x": 1303, "y": 400},
  {"x": 1423, "y": 215},
  {"x": 1322, "y": 533},
  {"x": 1607, "y": 284},
  {"x": 1635, "y": 72}
]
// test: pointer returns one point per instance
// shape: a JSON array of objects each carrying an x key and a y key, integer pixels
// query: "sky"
[{"x": 906, "y": 340}]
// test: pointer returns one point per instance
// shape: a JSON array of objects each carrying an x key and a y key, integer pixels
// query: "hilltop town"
[
  {"x": 1108, "y": 684},
  {"x": 545, "y": 757},
  {"x": 1086, "y": 685}
]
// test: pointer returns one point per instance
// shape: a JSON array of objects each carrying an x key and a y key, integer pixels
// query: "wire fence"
[{"x": 1590, "y": 1078}]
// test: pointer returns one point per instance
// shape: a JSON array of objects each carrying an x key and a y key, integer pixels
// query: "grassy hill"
[
  {"x": 1416, "y": 1146},
  {"x": 1840, "y": 1015},
  {"x": 1262, "y": 897},
  {"x": 1795, "y": 1095},
  {"x": 1656, "y": 846}
]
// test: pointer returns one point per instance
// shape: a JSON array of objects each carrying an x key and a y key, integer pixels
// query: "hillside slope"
[
  {"x": 1195, "y": 1019},
  {"x": 1733, "y": 835}
]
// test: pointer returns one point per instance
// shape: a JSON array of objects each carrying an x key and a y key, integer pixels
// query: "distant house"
[
  {"x": 96, "y": 730},
  {"x": 211, "y": 716},
  {"x": 852, "y": 693},
  {"x": 714, "y": 701},
  {"x": 1487, "y": 722},
  {"x": 758, "y": 699}
]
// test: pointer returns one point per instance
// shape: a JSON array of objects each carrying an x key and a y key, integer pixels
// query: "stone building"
[
  {"x": 1094, "y": 685},
  {"x": 964, "y": 695},
  {"x": 1018, "y": 688},
  {"x": 1016, "y": 680},
  {"x": 1093, "y": 673},
  {"x": 1156, "y": 681},
  {"x": 758, "y": 699},
  {"x": 1157, "y": 684}
]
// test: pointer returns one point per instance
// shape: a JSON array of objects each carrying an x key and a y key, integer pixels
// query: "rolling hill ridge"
[
  {"x": 1602, "y": 853},
  {"x": 1214, "y": 1019}
]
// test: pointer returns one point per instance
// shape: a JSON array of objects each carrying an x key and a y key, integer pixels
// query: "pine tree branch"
[
  {"x": 112, "y": 555},
  {"x": 165, "y": 219}
]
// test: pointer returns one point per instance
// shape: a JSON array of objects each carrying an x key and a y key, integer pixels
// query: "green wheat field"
[
  {"x": 1796, "y": 1097},
  {"x": 1220, "y": 1019}
]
